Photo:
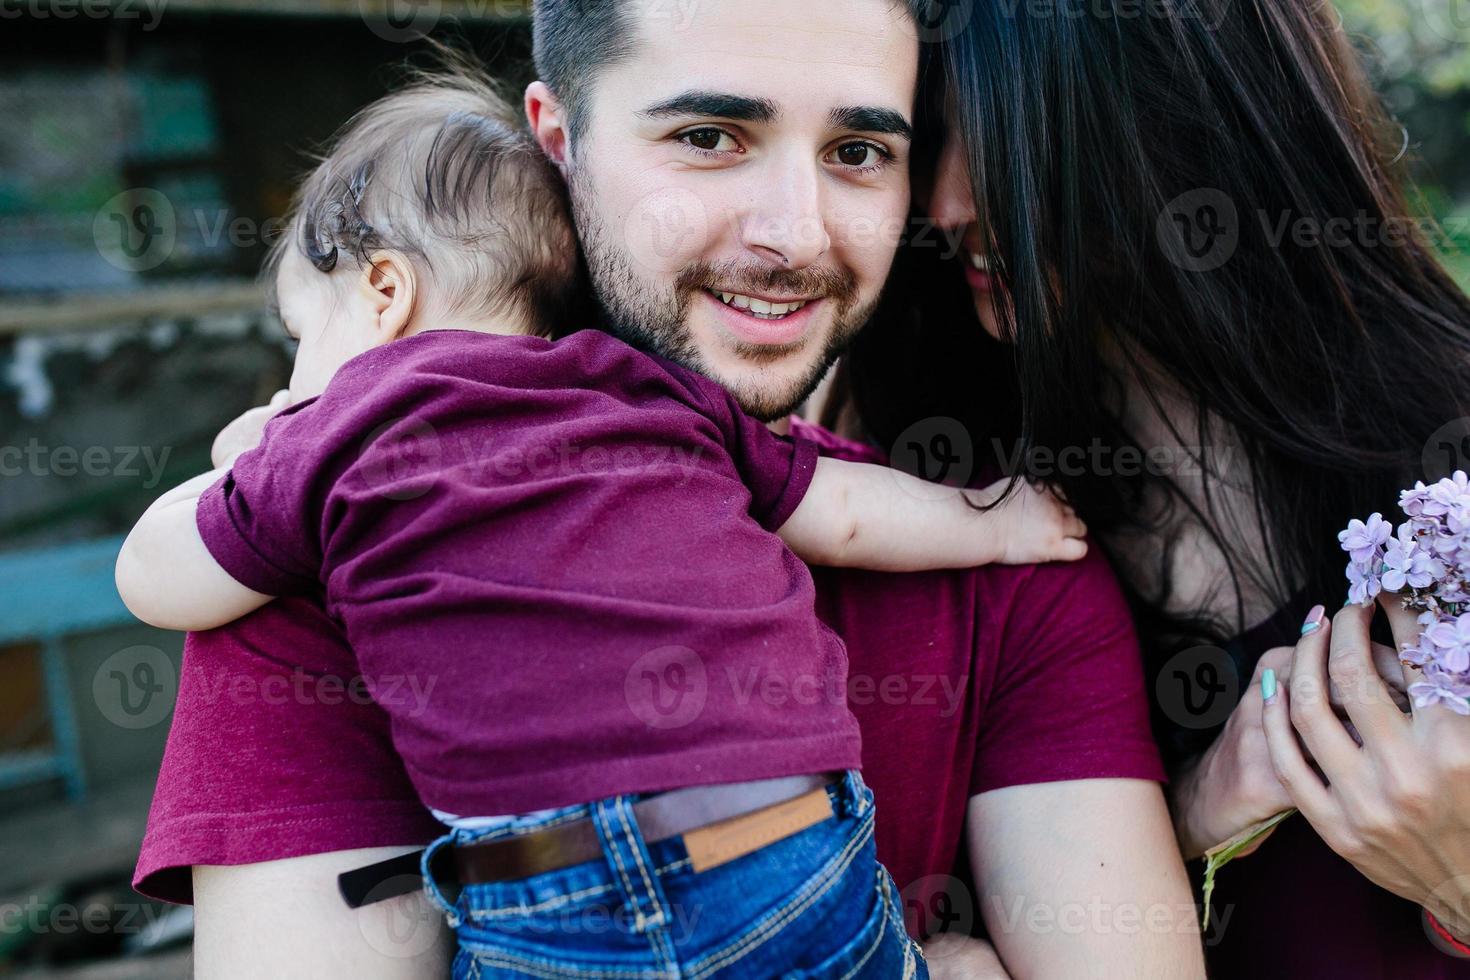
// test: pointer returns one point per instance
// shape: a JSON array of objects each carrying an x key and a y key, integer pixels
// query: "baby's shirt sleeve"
[
  {"x": 257, "y": 521},
  {"x": 777, "y": 470}
]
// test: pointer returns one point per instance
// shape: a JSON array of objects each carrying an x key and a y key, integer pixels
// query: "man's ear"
[
  {"x": 390, "y": 288},
  {"x": 547, "y": 118}
]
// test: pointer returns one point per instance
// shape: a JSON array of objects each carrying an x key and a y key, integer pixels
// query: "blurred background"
[{"x": 147, "y": 151}]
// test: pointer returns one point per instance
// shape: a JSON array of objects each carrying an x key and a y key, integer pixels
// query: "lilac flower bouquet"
[{"x": 1426, "y": 561}]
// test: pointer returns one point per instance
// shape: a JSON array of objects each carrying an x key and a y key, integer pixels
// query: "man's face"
[{"x": 741, "y": 181}]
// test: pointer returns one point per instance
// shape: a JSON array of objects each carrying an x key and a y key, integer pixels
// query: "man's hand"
[{"x": 244, "y": 433}]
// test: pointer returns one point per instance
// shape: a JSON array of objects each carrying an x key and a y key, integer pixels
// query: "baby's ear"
[{"x": 390, "y": 288}]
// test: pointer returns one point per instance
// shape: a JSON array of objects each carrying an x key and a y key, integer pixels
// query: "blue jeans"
[{"x": 816, "y": 904}]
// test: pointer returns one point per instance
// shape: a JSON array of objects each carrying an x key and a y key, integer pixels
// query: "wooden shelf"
[
  {"x": 81, "y": 311},
  {"x": 470, "y": 10}
]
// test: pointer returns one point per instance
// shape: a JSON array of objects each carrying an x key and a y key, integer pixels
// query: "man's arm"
[
  {"x": 286, "y": 919},
  {"x": 1083, "y": 878}
]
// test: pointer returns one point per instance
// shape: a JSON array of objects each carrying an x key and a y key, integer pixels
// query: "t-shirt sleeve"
[
  {"x": 275, "y": 751},
  {"x": 257, "y": 520},
  {"x": 1068, "y": 700},
  {"x": 777, "y": 470}
]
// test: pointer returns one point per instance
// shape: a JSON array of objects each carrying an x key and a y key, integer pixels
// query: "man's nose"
[{"x": 786, "y": 223}]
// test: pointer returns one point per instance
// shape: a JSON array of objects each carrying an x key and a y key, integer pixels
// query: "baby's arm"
[
  {"x": 165, "y": 574},
  {"x": 168, "y": 578},
  {"x": 865, "y": 516}
]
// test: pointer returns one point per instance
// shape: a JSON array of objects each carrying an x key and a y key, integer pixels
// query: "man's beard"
[{"x": 652, "y": 314}]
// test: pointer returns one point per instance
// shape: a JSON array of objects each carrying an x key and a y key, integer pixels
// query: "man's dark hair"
[{"x": 575, "y": 40}]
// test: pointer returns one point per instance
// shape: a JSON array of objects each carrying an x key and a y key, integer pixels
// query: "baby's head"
[{"x": 431, "y": 210}]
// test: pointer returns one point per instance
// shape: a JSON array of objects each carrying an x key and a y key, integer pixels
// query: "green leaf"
[{"x": 1222, "y": 854}]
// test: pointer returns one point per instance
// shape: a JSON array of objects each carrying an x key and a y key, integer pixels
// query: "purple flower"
[
  {"x": 1459, "y": 483},
  {"x": 1427, "y": 562},
  {"x": 1454, "y": 697},
  {"x": 1405, "y": 564},
  {"x": 1398, "y": 564},
  {"x": 1362, "y": 540},
  {"x": 1442, "y": 687},
  {"x": 1443, "y": 542},
  {"x": 1363, "y": 583},
  {"x": 1451, "y": 591},
  {"x": 1448, "y": 643},
  {"x": 1411, "y": 502},
  {"x": 1458, "y": 520},
  {"x": 1414, "y": 654},
  {"x": 1451, "y": 493}
]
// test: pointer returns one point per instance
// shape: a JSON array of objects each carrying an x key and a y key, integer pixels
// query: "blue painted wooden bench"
[{"x": 45, "y": 596}]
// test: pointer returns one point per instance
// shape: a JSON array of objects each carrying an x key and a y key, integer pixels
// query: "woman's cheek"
[{"x": 986, "y": 312}]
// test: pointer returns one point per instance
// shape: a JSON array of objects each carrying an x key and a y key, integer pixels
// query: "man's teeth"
[
  {"x": 759, "y": 307},
  {"x": 980, "y": 262}
]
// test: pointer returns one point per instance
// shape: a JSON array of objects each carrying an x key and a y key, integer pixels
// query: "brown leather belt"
[{"x": 718, "y": 824}]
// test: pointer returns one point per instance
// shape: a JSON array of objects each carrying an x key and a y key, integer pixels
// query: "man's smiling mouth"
[{"x": 759, "y": 308}]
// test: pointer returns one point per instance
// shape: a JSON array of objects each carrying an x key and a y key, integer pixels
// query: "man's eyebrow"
[
  {"x": 871, "y": 119},
  {"x": 715, "y": 105}
]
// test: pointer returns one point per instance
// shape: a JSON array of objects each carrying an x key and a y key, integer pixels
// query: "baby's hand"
[
  {"x": 245, "y": 431},
  {"x": 1032, "y": 526}
]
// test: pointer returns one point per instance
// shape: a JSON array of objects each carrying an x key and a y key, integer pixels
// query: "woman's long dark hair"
[{"x": 1107, "y": 142}]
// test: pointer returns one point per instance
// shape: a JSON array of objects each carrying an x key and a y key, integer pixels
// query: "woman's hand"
[
  {"x": 245, "y": 431},
  {"x": 1232, "y": 785},
  {"x": 1397, "y": 806}
]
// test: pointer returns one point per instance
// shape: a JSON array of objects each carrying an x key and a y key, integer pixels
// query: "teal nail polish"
[{"x": 1268, "y": 685}]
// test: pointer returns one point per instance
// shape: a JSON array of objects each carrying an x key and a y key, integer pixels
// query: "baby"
[{"x": 568, "y": 536}]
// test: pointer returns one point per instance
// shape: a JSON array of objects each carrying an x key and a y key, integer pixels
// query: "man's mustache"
[{"x": 738, "y": 277}]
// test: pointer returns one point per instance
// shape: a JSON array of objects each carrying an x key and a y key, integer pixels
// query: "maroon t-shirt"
[
  {"x": 532, "y": 542},
  {"x": 962, "y": 682}
]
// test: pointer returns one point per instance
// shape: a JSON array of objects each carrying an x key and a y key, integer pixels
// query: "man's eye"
[
  {"x": 860, "y": 155},
  {"x": 710, "y": 140}
]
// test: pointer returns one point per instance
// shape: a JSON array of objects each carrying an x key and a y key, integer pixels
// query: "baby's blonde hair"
[{"x": 442, "y": 172}]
